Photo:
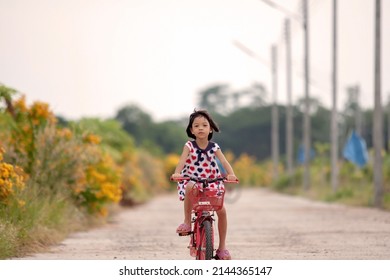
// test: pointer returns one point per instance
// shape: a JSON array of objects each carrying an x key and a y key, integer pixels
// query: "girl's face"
[{"x": 201, "y": 127}]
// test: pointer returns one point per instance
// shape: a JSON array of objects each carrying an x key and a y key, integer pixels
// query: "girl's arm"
[
  {"x": 226, "y": 165},
  {"x": 182, "y": 162}
]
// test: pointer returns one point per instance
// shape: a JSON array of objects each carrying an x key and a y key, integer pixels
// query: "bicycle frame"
[
  {"x": 205, "y": 201},
  {"x": 202, "y": 242}
]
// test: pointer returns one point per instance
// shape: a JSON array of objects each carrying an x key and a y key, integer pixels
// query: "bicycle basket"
[{"x": 207, "y": 199}]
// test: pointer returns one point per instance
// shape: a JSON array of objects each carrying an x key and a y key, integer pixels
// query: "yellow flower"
[
  {"x": 103, "y": 211},
  {"x": 20, "y": 104},
  {"x": 21, "y": 203},
  {"x": 10, "y": 179},
  {"x": 65, "y": 133},
  {"x": 39, "y": 112},
  {"x": 92, "y": 139}
]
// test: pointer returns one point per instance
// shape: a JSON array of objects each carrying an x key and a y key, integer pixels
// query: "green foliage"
[
  {"x": 66, "y": 172},
  {"x": 169, "y": 136},
  {"x": 286, "y": 183},
  {"x": 214, "y": 98},
  {"x": 340, "y": 194},
  {"x": 220, "y": 99},
  {"x": 41, "y": 222},
  {"x": 136, "y": 122},
  {"x": 386, "y": 200},
  {"x": 252, "y": 125},
  {"x": 6, "y": 94},
  {"x": 114, "y": 139},
  {"x": 245, "y": 126},
  {"x": 159, "y": 138},
  {"x": 69, "y": 166},
  {"x": 8, "y": 237}
]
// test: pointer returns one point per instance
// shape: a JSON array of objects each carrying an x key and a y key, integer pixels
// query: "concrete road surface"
[{"x": 262, "y": 225}]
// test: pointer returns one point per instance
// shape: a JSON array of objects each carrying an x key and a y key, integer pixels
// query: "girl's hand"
[
  {"x": 175, "y": 175},
  {"x": 231, "y": 177}
]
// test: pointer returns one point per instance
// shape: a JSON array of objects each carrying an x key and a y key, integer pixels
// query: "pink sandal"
[
  {"x": 183, "y": 229},
  {"x": 222, "y": 255}
]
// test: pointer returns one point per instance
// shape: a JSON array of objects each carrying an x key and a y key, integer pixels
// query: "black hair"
[{"x": 206, "y": 115}]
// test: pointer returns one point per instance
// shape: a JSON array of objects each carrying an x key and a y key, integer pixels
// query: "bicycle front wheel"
[{"x": 205, "y": 248}]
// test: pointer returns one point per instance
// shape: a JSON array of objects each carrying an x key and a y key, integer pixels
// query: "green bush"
[
  {"x": 340, "y": 194},
  {"x": 287, "y": 183}
]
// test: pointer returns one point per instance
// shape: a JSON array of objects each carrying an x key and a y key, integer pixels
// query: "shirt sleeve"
[
  {"x": 216, "y": 147},
  {"x": 189, "y": 145}
]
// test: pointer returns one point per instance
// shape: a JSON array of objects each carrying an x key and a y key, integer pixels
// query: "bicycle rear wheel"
[
  {"x": 205, "y": 248},
  {"x": 232, "y": 193}
]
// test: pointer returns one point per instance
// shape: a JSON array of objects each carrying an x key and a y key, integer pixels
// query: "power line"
[
  {"x": 251, "y": 53},
  {"x": 283, "y": 10}
]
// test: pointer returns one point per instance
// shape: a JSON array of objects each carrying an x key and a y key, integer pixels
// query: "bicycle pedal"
[{"x": 184, "y": 233}]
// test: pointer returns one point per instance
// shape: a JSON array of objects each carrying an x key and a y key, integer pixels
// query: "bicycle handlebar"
[{"x": 204, "y": 180}]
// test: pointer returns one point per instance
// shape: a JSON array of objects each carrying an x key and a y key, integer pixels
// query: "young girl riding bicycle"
[{"x": 199, "y": 159}]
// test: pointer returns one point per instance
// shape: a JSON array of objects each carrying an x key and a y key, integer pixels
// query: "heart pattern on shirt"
[{"x": 200, "y": 163}]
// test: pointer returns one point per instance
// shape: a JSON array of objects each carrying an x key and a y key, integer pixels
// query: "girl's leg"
[
  {"x": 187, "y": 204},
  {"x": 222, "y": 228},
  {"x": 185, "y": 227},
  {"x": 222, "y": 253}
]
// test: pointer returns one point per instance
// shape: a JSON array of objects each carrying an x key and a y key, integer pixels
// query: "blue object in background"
[
  {"x": 301, "y": 154},
  {"x": 355, "y": 150},
  {"x": 221, "y": 168}
]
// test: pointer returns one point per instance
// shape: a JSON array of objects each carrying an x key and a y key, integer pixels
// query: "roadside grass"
[
  {"x": 36, "y": 224},
  {"x": 57, "y": 178},
  {"x": 358, "y": 192}
]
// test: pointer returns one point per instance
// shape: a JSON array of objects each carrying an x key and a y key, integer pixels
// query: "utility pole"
[
  {"x": 358, "y": 116},
  {"x": 388, "y": 123},
  {"x": 378, "y": 114},
  {"x": 289, "y": 113},
  {"x": 306, "y": 120},
  {"x": 275, "y": 117},
  {"x": 334, "y": 127},
  {"x": 274, "y": 113}
]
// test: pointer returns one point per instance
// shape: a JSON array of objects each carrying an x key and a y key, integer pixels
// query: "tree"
[
  {"x": 214, "y": 98},
  {"x": 246, "y": 130},
  {"x": 219, "y": 99},
  {"x": 314, "y": 104},
  {"x": 6, "y": 94},
  {"x": 256, "y": 95},
  {"x": 114, "y": 139},
  {"x": 169, "y": 135},
  {"x": 136, "y": 122}
]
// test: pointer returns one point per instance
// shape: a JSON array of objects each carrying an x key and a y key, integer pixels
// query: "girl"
[{"x": 198, "y": 159}]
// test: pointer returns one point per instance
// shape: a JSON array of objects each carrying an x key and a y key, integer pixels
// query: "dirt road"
[{"x": 262, "y": 225}]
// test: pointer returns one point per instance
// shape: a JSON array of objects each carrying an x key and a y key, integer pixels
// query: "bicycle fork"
[{"x": 203, "y": 230}]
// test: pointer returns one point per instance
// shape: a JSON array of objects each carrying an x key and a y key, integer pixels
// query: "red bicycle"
[{"x": 205, "y": 201}]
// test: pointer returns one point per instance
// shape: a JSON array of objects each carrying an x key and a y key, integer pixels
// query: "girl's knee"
[
  {"x": 189, "y": 186},
  {"x": 190, "y": 189},
  {"x": 221, "y": 212}
]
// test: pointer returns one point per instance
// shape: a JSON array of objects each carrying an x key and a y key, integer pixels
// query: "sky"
[{"x": 89, "y": 58}]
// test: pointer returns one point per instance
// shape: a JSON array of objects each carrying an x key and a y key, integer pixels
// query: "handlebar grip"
[
  {"x": 189, "y": 178},
  {"x": 232, "y": 181},
  {"x": 180, "y": 179}
]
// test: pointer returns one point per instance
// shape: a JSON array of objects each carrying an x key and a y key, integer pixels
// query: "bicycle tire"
[
  {"x": 205, "y": 249},
  {"x": 232, "y": 193}
]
